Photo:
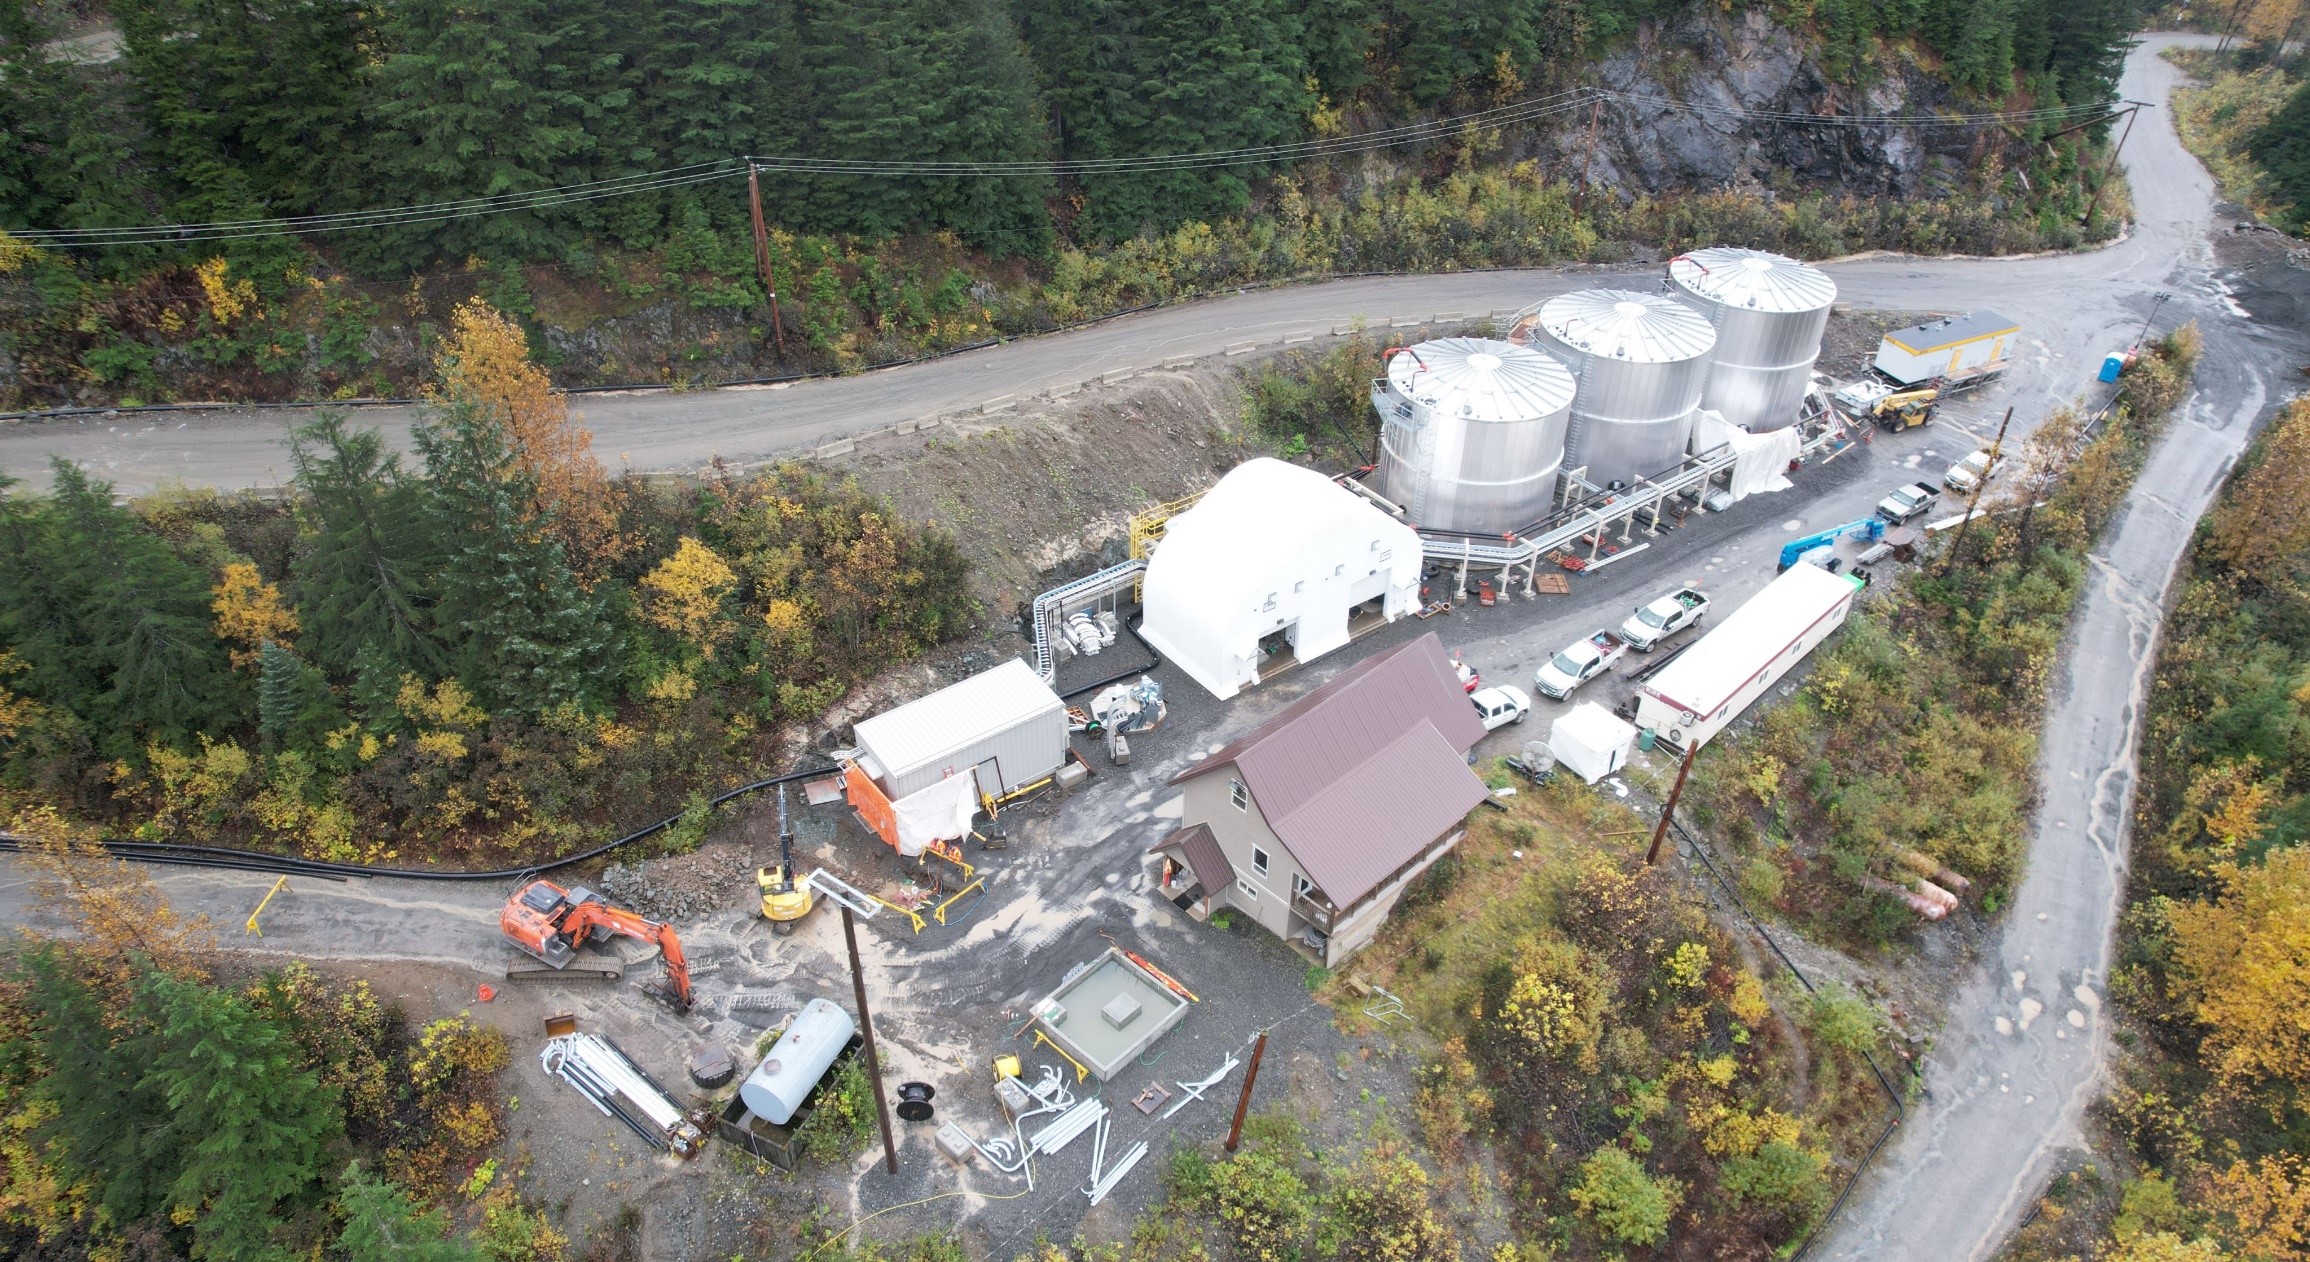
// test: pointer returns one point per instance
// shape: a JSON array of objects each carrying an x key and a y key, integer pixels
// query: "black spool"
[{"x": 914, "y": 1101}]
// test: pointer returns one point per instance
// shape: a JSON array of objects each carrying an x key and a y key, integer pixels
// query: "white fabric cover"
[
  {"x": 941, "y": 812},
  {"x": 1590, "y": 741},
  {"x": 1272, "y": 547},
  {"x": 1760, "y": 462}
]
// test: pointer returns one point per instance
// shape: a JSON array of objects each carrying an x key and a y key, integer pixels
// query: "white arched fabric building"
[{"x": 1272, "y": 550}]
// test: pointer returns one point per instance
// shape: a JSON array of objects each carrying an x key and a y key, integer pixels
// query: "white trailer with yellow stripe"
[{"x": 1956, "y": 350}]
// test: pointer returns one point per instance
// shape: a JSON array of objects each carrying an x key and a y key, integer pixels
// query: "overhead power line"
[{"x": 1297, "y": 151}]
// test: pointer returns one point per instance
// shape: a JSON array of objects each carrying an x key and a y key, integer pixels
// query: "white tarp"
[
  {"x": 941, "y": 812},
  {"x": 1590, "y": 741},
  {"x": 1760, "y": 462}
]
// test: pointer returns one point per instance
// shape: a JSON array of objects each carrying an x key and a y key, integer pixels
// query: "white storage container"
[
  {"x": 1590, "y": 742},
  {"x": 1006, "y": 724}
]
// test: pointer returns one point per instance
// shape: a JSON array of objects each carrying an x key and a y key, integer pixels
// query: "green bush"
[
  {"x": 1627, "y": 1205},
  {"x": 843, "y": 1121},
  {"x": 1844, "y": 1020},
  {"x": 1264, "y": 1206}
]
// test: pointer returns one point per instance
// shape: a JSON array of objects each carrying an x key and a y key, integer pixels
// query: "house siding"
[{"x": 1208, "y": 802}]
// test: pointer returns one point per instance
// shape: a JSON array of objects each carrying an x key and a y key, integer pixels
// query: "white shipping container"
[
  {"x": 1730, "y": 667},
  {"x": 1005, "y": 724}
]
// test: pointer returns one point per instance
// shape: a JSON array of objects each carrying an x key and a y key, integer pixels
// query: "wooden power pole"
[
  {"x": 1965, "y": 527},
  {"x": 1243, "y": 1102},
  {"x": 762, "y": 259},
  {"x": 2111, "y": 165},
  {"x": 866, "y": 1032},
  {"x": 1588, "y": 155},
  {"x": 1667, "y": 811}
]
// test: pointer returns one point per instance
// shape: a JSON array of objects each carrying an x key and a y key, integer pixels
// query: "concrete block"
[
  {"x": 1113, "y": 375},
  {"x": 1449, "y": 317},
  {"x": 1179, "y": 361},
  {"x": 1000, "y": 403},
  {"x": 839, "y": 447},
  {"x": 1242, "y": 348},
  {"x": 1294, "y": 339}
]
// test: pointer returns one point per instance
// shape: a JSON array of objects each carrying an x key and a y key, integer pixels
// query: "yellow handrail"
[
  {"x": 278, "y": 886},
  {"x": 940, "y": 910},
  {"x": 1080, "y": 1071}
]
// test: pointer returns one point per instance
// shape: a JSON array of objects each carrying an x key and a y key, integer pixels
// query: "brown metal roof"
[
  {"x": 1204, "y": 857},
  {"x": 1365, "y": 772},
  {"x": 1303, "y": 748},
  {"x": 1380, "y": 814}
]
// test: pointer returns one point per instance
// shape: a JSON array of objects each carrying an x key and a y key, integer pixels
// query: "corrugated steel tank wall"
[
  {"x": 1472, "y": 433},
  {"x": 1641, "y": 361},
  {"x": 1769, "y": 312}
]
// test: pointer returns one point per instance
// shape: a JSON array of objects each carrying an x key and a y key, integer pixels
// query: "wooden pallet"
[{"x": 1552, "y": 585}]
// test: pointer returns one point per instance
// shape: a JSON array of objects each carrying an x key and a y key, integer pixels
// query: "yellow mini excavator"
[{"x": 785, "y": 898}]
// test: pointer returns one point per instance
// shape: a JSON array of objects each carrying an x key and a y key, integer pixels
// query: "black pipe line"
[{"x": 259, "y": 861}]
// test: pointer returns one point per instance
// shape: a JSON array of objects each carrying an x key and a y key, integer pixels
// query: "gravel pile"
[{"x": 684, "y": 887}]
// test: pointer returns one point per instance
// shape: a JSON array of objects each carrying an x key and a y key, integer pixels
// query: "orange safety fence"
[{"x": 874, "y": 809}]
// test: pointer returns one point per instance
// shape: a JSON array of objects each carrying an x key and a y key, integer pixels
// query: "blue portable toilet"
[{"x": 2114, "y": 363}]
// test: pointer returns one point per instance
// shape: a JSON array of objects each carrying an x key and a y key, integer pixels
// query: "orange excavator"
[{"x": 551, "y": 923}]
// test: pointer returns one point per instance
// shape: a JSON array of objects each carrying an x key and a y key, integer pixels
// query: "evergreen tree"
[
  {"x": 253, "y": 103},
  {"x": 916, "y": 80},
  {"x": 518, "y": 631},
  {"x": 383, "y": 1225},
  {"x": 1338, "y": 39},
  {"x": 111, "y": 624},
  {"x": 110, "y": 1122},
  {"x": 1126, "y": 78},
  {"x": 361, "y": 584},
  {"x": 475, "y": 101},
  {"x": 277, "y": 671},
  {"x": 250, "y": 1120}
]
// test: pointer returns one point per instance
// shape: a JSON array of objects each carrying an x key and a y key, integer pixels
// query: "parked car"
[
  {"x": 1577, "y": 663},
  {"x": 1500, "y": 706},
  {"x": 1652, "y": 623},
  {"x": 1971, "y": 472},
  {"x": 1908, "y": 503}
]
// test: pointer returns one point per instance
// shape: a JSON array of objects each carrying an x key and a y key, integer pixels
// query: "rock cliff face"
[{"x": 1703, "y": 79}]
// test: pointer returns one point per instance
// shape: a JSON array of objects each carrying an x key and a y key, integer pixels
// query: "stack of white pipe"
[{"x": 619, "y": 1089}]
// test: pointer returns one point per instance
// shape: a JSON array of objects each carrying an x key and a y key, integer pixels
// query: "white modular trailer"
[
  {"x": 1005, "y": 724},
  {"x": 1945, "y": 348},
  {"x": 1730, "y": 667},
  {"x": 1273, "y": 550}
]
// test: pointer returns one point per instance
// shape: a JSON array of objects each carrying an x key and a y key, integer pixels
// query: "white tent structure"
[
  {"x": 1274, "y": 548},
  {"x": 1590, "y": 741}
]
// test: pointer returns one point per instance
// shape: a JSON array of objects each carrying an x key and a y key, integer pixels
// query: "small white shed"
[
  {"x": 1590, "y": 742},
  {"x": 1278, "y": 553},
  {"x": 1004, "y": 723}
]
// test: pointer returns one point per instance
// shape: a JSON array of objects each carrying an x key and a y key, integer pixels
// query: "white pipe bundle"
[{"x": 619, "y": 1088}]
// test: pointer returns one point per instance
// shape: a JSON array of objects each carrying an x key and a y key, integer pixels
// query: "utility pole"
[
  {"x": 2146, "y": 320},
  {"x": 1957, "y": 546},
  {"x": 1668, "y": 811},
  {"x": 1580, "y": 198},
  {"x": 1243, "y": 1102},
  {"x": 866, "y": 1031},
  {"x": 762, "y": 261},
  {"x": 2111, "y": 165}
]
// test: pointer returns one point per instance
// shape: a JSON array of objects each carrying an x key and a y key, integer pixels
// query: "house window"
[
  {"x": 1247, "y": 889},
  {"x": 1301, "y": 886},
  {"x": 1385, "y": 555},
  {"x": 1259, "y": 860},
  {"x": 1270, "y": 601},
  {"x": 1338, "y": 570},
  {"x": 1239, "y": 795},
  {"x": 1299, "y": 586}
]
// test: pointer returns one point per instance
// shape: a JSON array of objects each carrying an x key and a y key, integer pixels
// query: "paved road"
[
  {"x": 2003, "y": 1101},
  {"x": 2019, "y": 1061}
]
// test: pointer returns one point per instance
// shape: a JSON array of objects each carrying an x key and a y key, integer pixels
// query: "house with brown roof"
[{"x": 1316, "y": 822}]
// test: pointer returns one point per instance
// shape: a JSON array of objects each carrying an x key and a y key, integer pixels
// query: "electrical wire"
[{"x": 1518, "y": 112}]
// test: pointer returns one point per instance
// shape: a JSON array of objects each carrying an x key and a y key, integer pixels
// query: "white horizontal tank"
[{"x": 796, "y": 1062}]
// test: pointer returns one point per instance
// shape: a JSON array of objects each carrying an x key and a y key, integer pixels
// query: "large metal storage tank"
[
  {"x": 1472, "y": 433},
  {"x": 1769, "y": 311},
  {"x": 1640, "y": 360}
]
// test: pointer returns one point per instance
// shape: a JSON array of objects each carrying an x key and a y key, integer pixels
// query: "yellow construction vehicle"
[
  {"x": 785, "y": 899},
  {"x": 1907, "y": 410}
]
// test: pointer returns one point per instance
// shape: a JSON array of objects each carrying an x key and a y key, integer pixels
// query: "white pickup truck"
[
  {"x": 1652, "y": 623},
  {"x": 1577, "y": 663}
]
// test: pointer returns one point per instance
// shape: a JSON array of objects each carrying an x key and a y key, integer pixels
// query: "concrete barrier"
[
  {"x": 1000, "y": 403},
  {"x": 839, "y": 447},
  {"x": 1180, "y": 361},
  {"x": 1294, "y": 339},
  {"x": 1242, "y": 348},
  {"x": 1118, "y": 374}
]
